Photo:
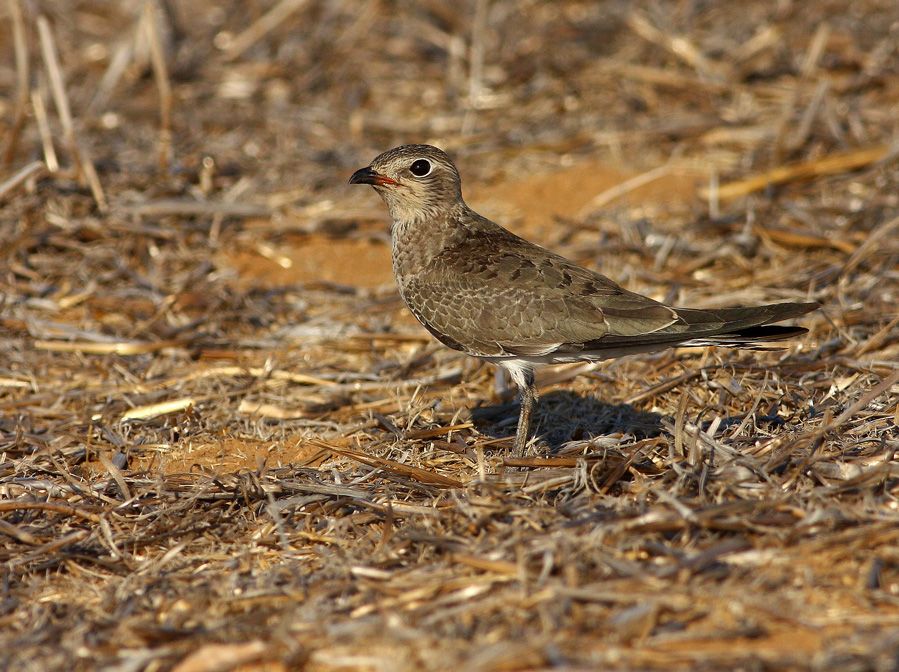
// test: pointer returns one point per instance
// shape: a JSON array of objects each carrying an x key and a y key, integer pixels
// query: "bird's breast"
[{"x": 415, "y": 245}]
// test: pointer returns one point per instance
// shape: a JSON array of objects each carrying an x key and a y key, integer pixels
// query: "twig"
[
  {"x": 810, "y": 62},
  {"x": 122, "y": 348},
  {"x": 801, "y": 239},
  {"x": 815, "y": 49},
  {"x": 210, "y": 657},
  {"x": 22, "y": 80},
  {"x": 116, "y": 474},
  {"x": 764, "y": 38},
  {"x": 877, "y": 341},
  {"x": 118, "y": 64},
  {"x": 167, "y": 207},
  {"x": 415, "y": 473},
  {"x": 43, "y": 127},
  {"x": 476, "y": 54},
  {"x": 57, "y": 88},
  {"x": 271, "y": 411},
  {"x": 612, "y": 193},
  {"x": 93, "y": 180},
  {"x": 21, "y": 176},
  {"x": 61, "y": 100},
  {"x": 871, "y": 244},
  {"x": 54, "y": 507},
  {"x": 829, "y": 165},
  {"x": 50, "y": 547},
  {"x": 678, "y": 45},
  {"x": 18, "y": 534},
  {"x": 664, "y": 386},
  {"x": 809, "y": 116},
  {"x": 865, "y": 399},
  {"x": 679, "y": 421},
  {"x": 161, "y": 75},
  {"x": 266, "y": 23}
]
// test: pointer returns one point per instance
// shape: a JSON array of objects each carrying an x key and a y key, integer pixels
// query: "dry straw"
[{"x": 223, "y": 448}]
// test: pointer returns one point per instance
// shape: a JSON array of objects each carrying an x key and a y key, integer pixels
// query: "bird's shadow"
[{"x": 562, "y": 416}]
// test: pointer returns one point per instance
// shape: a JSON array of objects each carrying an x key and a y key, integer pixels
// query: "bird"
[{"x": 482, "y": 290}]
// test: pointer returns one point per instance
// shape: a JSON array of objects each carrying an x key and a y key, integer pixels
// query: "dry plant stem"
[
  {"x": 275, "y": 17},
  {"x": 829, "y": 165},
  {"x": 31, "y": 170},
  {"x": 875, "y": 241},
  {"x": 678, "y": 45},
  {"x": 211, "y": 657},
  {"x": 666, "y": 77},
  {"x": 878, "y": 340},
  {"x": 123, "y": 348},
  {"x": 150, "y": 22},
  {"x": 61, "y": 100},
  {"x": 43, "y": 125},
  {"x": 22, "y": 80},
  {"x": 613, "y": 193},
  {"x": 844, "y": 417},
  {"x": 168, "y": 207},
  {"x": 118, "y": 64},
  {"x": 811, "y": 112},
  {"x": 783, "y": 144},
  {"x": 416, "y": 473},
  {"x": 57, "y": 87},
  {"x": 93, "y": 180},
  {"x": 18, "y": 534},
  {"x": 803, "y": 240},
  {"x": 815, "y": 49},
  {"x": 476, "y": 58},
  {"x": 765, "y": 38},
  {"x": 53, "y": 507}
]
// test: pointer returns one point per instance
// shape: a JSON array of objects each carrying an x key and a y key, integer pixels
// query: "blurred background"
[{"x": 549, "y": 108}]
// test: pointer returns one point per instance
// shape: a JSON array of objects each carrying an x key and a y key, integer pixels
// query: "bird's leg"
[{"x": 528, "y": 392}]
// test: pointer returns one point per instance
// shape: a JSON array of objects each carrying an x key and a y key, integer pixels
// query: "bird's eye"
[{"x": 420, "y": 167}]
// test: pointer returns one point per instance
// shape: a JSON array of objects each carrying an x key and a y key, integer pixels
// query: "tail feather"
[
  {"x": 727, "y": 327},
  {"x": 740, "y": 317},
  {"x": 751, "y": 338},
  {"x": 748, "y": 328}
]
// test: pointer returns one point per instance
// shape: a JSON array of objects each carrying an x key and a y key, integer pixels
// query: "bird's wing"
[{"x": 506, "y": 296}]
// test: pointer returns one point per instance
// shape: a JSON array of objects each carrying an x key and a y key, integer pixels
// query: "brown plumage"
[{"x": 481, "y": 289}]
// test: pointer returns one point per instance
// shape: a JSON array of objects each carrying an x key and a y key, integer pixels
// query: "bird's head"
[{"x": 415, "y": 181}]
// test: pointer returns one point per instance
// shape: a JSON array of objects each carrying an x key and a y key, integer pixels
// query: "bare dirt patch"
[{"x": 314, "y": 259}]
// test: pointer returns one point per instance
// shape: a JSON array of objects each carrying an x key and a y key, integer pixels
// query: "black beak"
[
  {"x": 368, "y": 175},
  {"x": 363, "y": 176}
]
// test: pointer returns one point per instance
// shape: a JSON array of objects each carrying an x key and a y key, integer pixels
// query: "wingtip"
[{"x": 785, "y": 311}]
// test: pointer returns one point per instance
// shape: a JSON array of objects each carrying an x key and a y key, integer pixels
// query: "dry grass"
[{"x": 224, "y": 443}]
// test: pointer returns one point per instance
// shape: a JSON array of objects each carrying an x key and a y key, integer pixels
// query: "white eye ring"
[{"x": 421, "y": 168}]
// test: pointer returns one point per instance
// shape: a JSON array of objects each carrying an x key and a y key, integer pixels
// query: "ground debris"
[{"x": 224, "y": 443}]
